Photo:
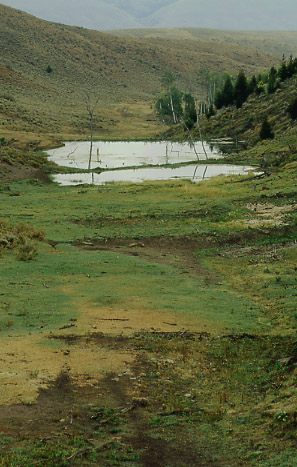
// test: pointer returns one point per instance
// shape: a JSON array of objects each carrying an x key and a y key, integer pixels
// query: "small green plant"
[
  {"x": 281, "y": 416},
  {"x": 3, "y": 142},
  {"x": 27, "y": 251}
]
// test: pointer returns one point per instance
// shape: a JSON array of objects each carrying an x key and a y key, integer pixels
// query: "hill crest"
[{"x": 122, "y": 14}]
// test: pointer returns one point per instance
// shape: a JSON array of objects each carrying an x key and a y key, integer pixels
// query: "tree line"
[
  {"x": 236, "y": 92},
  {"x": 220, "y": 90}
]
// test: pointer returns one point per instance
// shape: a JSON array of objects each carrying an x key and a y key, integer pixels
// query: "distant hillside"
[
  {"x": 46, "y": 68},
  {"x": 227, "y": 14},
  {"x": 91, "y": 14},
  {"x": 275, "y": 42},
  {"x": 122, "y": 14}
]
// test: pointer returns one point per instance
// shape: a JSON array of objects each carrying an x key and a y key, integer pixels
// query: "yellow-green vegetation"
[
  {"x": 275, "y": 42},
  {"x": 47, "y": 68},
  {"x": 21, "y": 238},
  {"x": 211, "y": 268},
  {"x": 153, "y": 323},
  {"x": 243, "y": 126},
  {"x": 245, "y": 122}
]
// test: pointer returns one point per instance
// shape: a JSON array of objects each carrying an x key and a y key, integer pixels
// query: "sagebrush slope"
[{"x": 46, "y": 69}]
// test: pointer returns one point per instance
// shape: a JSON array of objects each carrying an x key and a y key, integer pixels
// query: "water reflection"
[
  {"x": 116, "y": 154},
  {"x": 195, "y": 173}
]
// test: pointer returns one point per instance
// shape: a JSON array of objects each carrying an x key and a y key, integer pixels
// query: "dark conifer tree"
[
  {"x": 272, "y": 84},
  {"x": 292, "y": 109},
  {"x": 241, "y": 89},
  {"x": 252, "y": 84},
  {"x": 266, "y": 130},
  {"x": 218, "y": 100},
  {"x": 291, "y": 67},
  {"x": 283, "y": 71},
  {"x": 228, "y": 92}
]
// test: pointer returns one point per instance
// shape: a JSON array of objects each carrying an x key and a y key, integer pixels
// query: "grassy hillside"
[
  {"x": 275, "y": 42},
  {"x": 46, "y": 69},
  {"x": 245, "y": 124}
]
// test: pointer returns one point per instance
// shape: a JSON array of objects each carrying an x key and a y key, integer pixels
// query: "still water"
[
  {"x": 189, "y": 172},
  {"x": 118, "y": 155}
]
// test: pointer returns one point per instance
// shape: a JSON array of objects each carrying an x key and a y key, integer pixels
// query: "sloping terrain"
[
  {"x": 275, "y": 42},
  {"x": 47, "y": 68},
  {"x": 152, "y": 318},
  {"x": 104, "y": 15},
  {"x": 245, "y": 123}
]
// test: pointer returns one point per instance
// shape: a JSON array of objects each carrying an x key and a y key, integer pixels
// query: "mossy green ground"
[{"x": 227, "y": 388}]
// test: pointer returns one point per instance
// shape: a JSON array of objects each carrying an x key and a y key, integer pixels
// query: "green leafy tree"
[
  {"x": 169, "y": 105},
  {"x": 190, "y": 115},
  {"x": 173, "y": 95},
  {"x": 210, "y": 82}
]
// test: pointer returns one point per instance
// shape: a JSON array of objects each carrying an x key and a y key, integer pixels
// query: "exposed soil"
[
  {"x": 64, "y": 408},
  {"x": 178, "y": 251},
  {"x": 269, "y": 214},
  {"x": 51, "y": 383},
  {"x": 9, "y": 173}
]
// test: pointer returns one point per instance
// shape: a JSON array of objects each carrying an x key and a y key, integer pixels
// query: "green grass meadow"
[{"x": 223, "y": 387}]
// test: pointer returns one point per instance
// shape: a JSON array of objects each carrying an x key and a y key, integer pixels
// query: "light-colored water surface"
[
  {"x": 193, "y": 172},
  {"x": 117, "y": 154}
]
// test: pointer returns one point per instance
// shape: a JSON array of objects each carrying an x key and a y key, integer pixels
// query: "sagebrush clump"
[{"x": 22, "y": 238}]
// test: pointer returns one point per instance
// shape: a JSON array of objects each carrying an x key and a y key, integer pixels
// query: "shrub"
[
  {"x": 266, "y": 130},
  {"x": 3, "y": 142},
  {"x": 28, "y": 231},
  {"x": 22, "y": 238},
  {"x": 292, "y": 109},
  {"x": 27, "y": 251}
]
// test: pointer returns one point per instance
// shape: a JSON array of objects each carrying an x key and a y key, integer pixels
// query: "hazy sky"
[{"x": 122, "y": 14}]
